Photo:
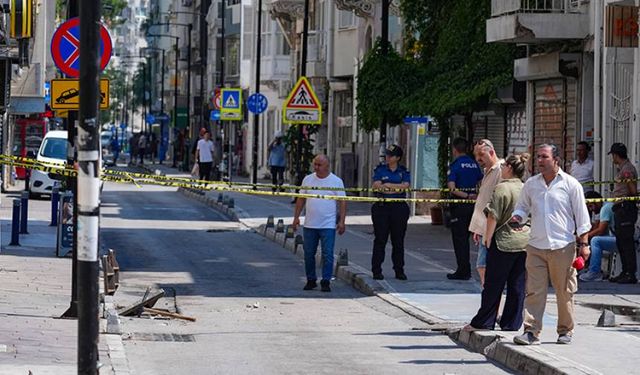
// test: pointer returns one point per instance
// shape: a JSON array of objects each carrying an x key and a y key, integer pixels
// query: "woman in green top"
[{"x": 506, "y": 252}]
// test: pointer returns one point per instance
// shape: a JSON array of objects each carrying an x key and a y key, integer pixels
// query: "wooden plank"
[
  {"x": 148, "y": 301},
  {"x": 170, "y": 314}
]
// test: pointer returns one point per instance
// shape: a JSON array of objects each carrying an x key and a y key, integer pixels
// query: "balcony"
[
  {"x": 366, "y": 8},
  {"x": 288, "y": 10},
  {"x": 537, "y": 21}
]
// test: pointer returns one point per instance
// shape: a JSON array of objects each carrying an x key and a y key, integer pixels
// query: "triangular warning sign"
[
  {"x": 231, "y": 102},
  {"x": 302, "y": 96}
]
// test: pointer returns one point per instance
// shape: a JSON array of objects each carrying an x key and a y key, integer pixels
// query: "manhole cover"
[{"x": 163, "y": 337}]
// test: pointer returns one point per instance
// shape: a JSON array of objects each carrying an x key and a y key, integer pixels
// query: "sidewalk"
[
  {"x": 429, "y": 256},
  {"x": 35, "y": 290}
]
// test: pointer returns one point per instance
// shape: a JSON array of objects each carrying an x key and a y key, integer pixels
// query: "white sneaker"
[{"x": 591, "y": 276}]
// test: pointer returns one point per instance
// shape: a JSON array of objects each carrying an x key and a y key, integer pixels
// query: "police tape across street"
[{"x": 140, "y": 179}]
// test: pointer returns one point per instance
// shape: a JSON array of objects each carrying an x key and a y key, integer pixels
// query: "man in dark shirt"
[{"x": 462, "y": 179}]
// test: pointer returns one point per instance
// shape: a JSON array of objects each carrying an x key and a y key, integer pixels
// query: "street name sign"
[
  {"x": 65, "y": 94},
  {"x": 65, "y": 47},
  {"x": 231, "y": 104},
  {"x": 302, "y": 105}
]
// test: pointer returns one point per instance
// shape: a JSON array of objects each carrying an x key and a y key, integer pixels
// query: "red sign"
[{"x": 65, "y": 47}]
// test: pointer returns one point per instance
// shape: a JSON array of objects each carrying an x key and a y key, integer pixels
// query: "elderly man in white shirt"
[
  {"x": 555, "y": 201},
  {"x": 582, "y": 167}
]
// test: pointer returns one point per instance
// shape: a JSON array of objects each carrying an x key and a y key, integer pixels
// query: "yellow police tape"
[{"x": 139, "y": 179}]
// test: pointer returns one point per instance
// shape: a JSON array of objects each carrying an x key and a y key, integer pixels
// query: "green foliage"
[
  {"x": 116, "y": 86},
  {"x": 290, "y": 139}
]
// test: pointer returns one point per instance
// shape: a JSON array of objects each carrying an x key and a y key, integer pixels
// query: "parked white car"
[{"x": 52, "y": 150}]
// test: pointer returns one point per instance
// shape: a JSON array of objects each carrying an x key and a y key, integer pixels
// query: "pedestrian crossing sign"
[
  {"x": 231, "y": 104},
  {"x": 302, "y": 105}
]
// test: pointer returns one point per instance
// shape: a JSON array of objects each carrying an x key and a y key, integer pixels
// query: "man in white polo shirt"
[
  {"x": 582, "y": 167},
  {"x": 320, "y": 221}
]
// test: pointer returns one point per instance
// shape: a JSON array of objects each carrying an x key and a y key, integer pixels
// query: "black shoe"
[
  {"x": 457, "y": 276},
  {"x": 627, "y": 278},
  {"x": 400, "y": 275},
  {"x": 325, "y": 285},
  {"x": 615, "y": 279},
  {"x": 378, "y": 276},
  {"x": 311, "y": 284}
]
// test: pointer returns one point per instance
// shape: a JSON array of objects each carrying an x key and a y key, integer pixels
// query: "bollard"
[
  {"x": 24, "y": 212},
  {"x": 343, "y": 258},
  {"x": 225, "y": 200},
  {"x": 288, "y": 233},
  {"x": 55, "y": 200},
  {"x": 231, "y": 203},
  {"x": 280, "y": 226},
  {"x": 15, "y": 224},
  {"x": 270, "y": 221},
  {"x": 298, "y": 241},
  {"x": 220, "y": 197}
]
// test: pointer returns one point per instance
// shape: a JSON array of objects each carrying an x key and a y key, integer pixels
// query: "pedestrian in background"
[
  {"x": 320, "y": 221},
  {"x": 115, "y": 149},
  {"x": 277, "y": 161},
  {"x": 462, "y": 180},
  {"x": 625, "y": 213},
  {"x": 142, "y": 147},
  {"x": 390, "y": 218},
  {"x": 486, "y": 156},
  {"x": 555, "y": 201},
  {"x": 582, "y": 167},
  {"x": 505, "y": 252},
  {"x": 204, "y": 156}
]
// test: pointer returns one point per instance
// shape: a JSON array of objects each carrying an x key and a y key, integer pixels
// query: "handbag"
[{"x": 195, "y": 171}]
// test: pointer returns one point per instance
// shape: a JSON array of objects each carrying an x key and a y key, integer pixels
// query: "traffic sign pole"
[
  {"x": 88, "y": 188},
  {"x": 256, "y": 116}
]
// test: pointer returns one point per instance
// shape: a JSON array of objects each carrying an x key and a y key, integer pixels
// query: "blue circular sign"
[
  {"x": 257, "y": 103},
  {"x": 65, "y": 47}
]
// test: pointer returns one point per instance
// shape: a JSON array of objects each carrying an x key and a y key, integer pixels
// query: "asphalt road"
[{"x": 246, "y": 294}]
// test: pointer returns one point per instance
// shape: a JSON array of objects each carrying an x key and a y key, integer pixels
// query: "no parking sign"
[{"x": 65, "y": 47}]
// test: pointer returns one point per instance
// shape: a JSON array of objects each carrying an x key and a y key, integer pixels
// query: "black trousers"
[
  {"x": 205, "y": 170},
  {"x": 460, "y": 219},
  {"x": 625, "y": 215},
  {"x": 277, "y": 176},
  {"x": 389, "y": 219},
  {"x": 502, "y": 268}
]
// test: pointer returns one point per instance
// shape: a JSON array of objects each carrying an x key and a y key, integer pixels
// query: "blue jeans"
[
  {"x": 481, "y": 262},
  {"x": 327, "y": 238},
  {"x": 598, "y": 245}
]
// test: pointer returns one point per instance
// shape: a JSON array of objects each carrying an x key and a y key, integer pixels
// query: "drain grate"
[{"x": 162, "y": 337}]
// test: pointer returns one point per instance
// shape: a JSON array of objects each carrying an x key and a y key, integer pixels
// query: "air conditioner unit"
[{"x": 345, "y": 122}]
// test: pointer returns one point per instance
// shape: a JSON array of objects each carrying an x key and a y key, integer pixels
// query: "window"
[
  {"x": 346, "y": 19},
  {"x": 232, "y": 64}
]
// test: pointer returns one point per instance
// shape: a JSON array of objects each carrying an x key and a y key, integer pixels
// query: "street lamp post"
[
  {"x": 162, "y": 73},
  {"x": 163, "y": 144},
  {"x": 189, "y": 27}
]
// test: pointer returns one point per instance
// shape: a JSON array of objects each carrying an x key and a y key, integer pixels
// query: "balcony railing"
[{"x": 503, "y": 7}]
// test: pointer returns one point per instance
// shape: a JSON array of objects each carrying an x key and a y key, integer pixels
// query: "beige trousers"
[{"x": 557, "y": 266}]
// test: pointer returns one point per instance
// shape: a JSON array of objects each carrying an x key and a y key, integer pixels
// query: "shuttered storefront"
[
  {"x": 490, "y": 125},
  {"x": 555, "y": 117}
]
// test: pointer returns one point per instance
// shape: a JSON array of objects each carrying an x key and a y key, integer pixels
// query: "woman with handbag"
[{"x": 505, "y": 252}]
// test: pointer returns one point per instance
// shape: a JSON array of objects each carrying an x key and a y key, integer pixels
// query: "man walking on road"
[
  {"x": 204, "y": 156},
  {"x": 462, "y": 180},
  {"x": 555, "y": 201},
  {"x": 321, "y": 221},
  {"x": 625, "y": 214}
]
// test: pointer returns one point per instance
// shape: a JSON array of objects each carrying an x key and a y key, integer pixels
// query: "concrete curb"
[{"x": 495, "y": 345}]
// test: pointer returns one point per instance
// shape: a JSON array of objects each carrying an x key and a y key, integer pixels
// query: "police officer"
[
  {"x": 625, "y": 213},
  {"x": 462, "y": 179},
  {"x": 390, "y": 217}
]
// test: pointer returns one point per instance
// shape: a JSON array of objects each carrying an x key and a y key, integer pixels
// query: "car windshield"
[{"x": 55, "y": 148}]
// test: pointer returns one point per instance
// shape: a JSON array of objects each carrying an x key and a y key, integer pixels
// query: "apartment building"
[{"x": 581, "y": 73}]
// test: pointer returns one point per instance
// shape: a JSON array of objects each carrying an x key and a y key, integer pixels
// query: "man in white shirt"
[
  {"x": 320, "y": 221},
  {"x": 555, "y": 201},
  {"x": 204, "y": 156},
  {"x": 582, "y": 167}
]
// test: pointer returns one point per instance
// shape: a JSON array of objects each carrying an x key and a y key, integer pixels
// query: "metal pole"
[
  {"x": 256, "y": 117},
  {"x": 88, "y": 187},
  {"x": 144, "y": 98},
  {"x": 203, "y": 58},
  {"x": 222, "y": 64},
  {"x": 24, "y": 214},
  {"x": 71, "y": 182},
  {"x": 303, "y": 73},
  {"x": 162, "y": 87},
  {"x": 385, "y": 50},
  {"x": 189, "y": 82},
  {"x": 175, "y": 99},
  {"x": 15, "y": 224}
]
